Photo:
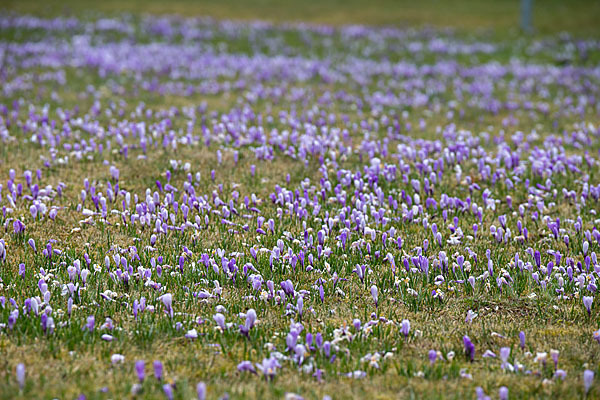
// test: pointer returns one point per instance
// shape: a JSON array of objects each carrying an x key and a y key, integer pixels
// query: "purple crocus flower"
[
  {"x": 554, "y": 355},
  {"x": 374, "y": 294},
  {"x": 201, "y": 390},
  {"x": 587, "y": 302},
  {"x": 469, "y": 348},
  {"x": 522, "y": 340},
  {"x": 405, "y": 327},
  {"x": 168, "y": 389},
  {"x": 250, "y": 321},
  {"x": 300, "y": 306},
  {"x": 480, "y": 394},
  {"x": 360, "y": 271},
  {"x": 158, "y": 369},
  {"x": 107, "y": 338},
  {"x": 18, "y": 227},
  {"x": 21, "y": 375},
  {"x": 91, "y": 321},
  {"x": 220, "y": 320},
  {"x": 560, "y": 374},
  {"x": 503, "y": 393},
  {"x": 269, "y": 367},
  {"x": 31, "y": 243},
  {"x": 432, "y": 356},
  {"x": 140, "y": 366},
  {"x": 167, "y": 300},
  {"x": 246, "y": 366},
  {"x": 69, "y": 306},
  {"x": 588, "y": 379}
]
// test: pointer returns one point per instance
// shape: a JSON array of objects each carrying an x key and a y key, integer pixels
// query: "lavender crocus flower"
[
  {"x": 588, "y": 379},
  {"x": 21, "y": 375},
  {"x": 220, "y": 320},
  {"x": 374, "y": 294},
  {"x": 269, "y": 367},
  {"x": 250, "y": 321},
  {"x": 504, "y": 354},
  {"x": 201, "y": 390},
  {"x": 503, "y": 393},
  {"x": 246, "y": 366},
  {"x": 480, "y": 394},
  {"x": 522, "y": 340},
  {"x": 168, "y": 389},
  {"x": 560, "y": 374},
  {"x": 432, "y": 356},
  {"x": 300, "y": 306},
  {"x": 158, "y": 369},
  {"x": 140, "y": 367},
  {"x": 554, "y": 355},
  {"x": 471, "y": 315},
  {"x": 587, "y": 302},
  {"x": 405, "y": 327},
  {"x": 91, "y": 321},
  {"x": 167, "y": 300},
  {"x": 469, "y": 348}
]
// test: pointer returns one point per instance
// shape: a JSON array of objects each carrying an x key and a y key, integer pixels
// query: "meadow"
[{"x": 321, "y": 200}]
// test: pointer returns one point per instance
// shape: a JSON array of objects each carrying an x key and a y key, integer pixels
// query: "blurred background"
[{"x": 578, "y": 17}]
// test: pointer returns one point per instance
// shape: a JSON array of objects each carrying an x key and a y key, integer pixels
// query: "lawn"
[{"x": 286, "y": 199}]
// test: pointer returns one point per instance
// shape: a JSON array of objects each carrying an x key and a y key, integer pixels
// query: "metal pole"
[{"x": 526, "y": 13}]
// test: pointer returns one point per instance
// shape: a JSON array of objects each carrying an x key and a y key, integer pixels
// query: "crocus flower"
[
  {"x": 246, "y": 366},
  {"x": 250, "y": 321},
  {"x": 269, "y": 367},
  {"x": 300, "y": 306},
  {"x": 541, "y": 358},
  {"x": 117, "y": 358},
  {"x": 469, "y": 348},
  {"x": 158, "y": 369},
  {"x": 201, "y": 390},
  {"x": 167, "y": 300},
  {"x": 191, "y": 334},
  {"x": 21, "y": 375},
  {"x": 432, "y": 356},
  {"x": 504, "y": 354},
  {"x": 554, "y": 355},
  {"x": 374, "y": 294},
  {"x": 405, "y": 327},
  {"x": 220, "y": 320},
  {"x": 91, "y": 321},
  {"x": 522, "y": 340},
  {"x": 588, "y": 379},
  {"x": 107, "y": 338},
  {"x": 168, "y": 389},
  {"x": 480, "y": 394},
  {"x": 587, "y": 302},
  {"x": 488, "y": 354},
  {"x": 140, "y": 366},
  {"x": 471, "y": 315},
  {"x": 503, "y": 393}
]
